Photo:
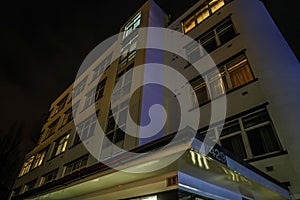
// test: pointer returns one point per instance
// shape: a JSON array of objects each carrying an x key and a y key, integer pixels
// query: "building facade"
[{"x": 257, "y": 73}]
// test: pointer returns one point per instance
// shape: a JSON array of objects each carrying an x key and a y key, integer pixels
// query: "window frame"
[
  {"x": 194, "y": 17},
  {"x": 26, "y": 166},
  {"x": 45, "y": 176},
  {"x": 74, "y": 162},
  {"x": 40, "y": 158},
  {"x": 244, "y": 134},
  {"x": 100, "y": 68},
  {"x": 61, "y": 144},
  {"x": 79, "y": 87}
]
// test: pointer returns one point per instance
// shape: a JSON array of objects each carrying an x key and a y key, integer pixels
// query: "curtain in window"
[
  {"x": 240, "y": 76},
  {"x": 235, "y": 145},
  {"x": 262, "y": 140}
]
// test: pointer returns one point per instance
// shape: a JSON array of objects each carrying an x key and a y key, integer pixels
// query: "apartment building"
[{"x": 256, "y": 154}]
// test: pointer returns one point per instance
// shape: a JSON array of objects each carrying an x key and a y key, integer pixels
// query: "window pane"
[
  {"x": 200, "y": 90},
  {"x": 262, "y": 140},
  {"x": 120, "y": 135},
  {"x": 235, "y": 145},
  {"x": 226, "y": 31},
  {"x": 216, "y": 4},
  {"x": 216, "y": 85},
  {"x": 193, "y": 52},
  {"x": 208, "y": 42},
  {"x": 256, "y": 118},
  {"x": 240, "y": 76},
  {"x": 189, "y": 24},
  {"x": 202, "y": 14},
  {"x": 239, "y": 71},
  {"x": 230, "y": 127}
]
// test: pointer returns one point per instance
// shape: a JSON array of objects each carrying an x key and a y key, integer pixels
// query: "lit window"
[
  {"x": 76, "y": 165},
  {"x": 26, "y": 166},
  {"x": 61, "y": 145},
  {"x": 100, "y": 90},
  {"x": 49, "y": 177},
  {"x": 114, "y": 131},
  {"x": 39, "y": 158},
  {"x": 202, "y": 13},
  {"x": 231, "y": 75},
  {"x": 239, "y": 72},
  {"x": 132, "y": 25},
  {"x": 95, "y": 94}
]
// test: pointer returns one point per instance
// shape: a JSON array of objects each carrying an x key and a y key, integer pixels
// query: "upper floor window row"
[
  {"x": 201, "y": 13},
  {"x": 211, "y": 40}
]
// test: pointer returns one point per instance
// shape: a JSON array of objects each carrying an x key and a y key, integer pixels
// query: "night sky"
[{"x": 43, "y": 44}]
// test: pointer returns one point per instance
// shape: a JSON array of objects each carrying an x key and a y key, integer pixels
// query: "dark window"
[
  {"x": 86, "y": 128},
  {"x": 211, "y": 40},
  {"x": 76, "y": 165},
  {"x": 49, "y": 177},
  {"x": 235, "y": 145},
  {"x": 101, "y": 67},
  {"x": 26, "y": 166},
  {"x": 52, "y": 128},
  {"x": 30, "y": 185},
  {"x": 249, "y": 136},
  {"x": 261, "y": 134}
]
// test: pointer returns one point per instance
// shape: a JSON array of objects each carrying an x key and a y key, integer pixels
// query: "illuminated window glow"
[
  {"x": 61, "y": 145},
  {"x": 26, "y": 166},
  {"x": 201, "y": 14}
]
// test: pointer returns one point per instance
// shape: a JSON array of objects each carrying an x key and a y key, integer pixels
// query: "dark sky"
[{"x": 44, "y": 42}]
